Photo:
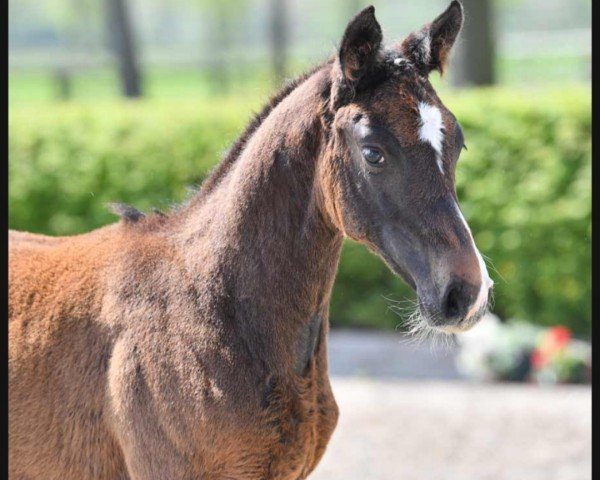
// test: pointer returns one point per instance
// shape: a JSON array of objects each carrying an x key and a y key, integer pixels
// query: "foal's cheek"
[{"x": 356, "y": 215}]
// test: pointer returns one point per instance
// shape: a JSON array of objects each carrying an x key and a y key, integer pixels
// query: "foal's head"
[{"x": 389, "y": 174}]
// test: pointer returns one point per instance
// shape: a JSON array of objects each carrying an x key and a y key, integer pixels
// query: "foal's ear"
[
  {"x": 359, "y": 50},
  {"x": 360, "y": 45},
  {"x": 429, "y": 48}
]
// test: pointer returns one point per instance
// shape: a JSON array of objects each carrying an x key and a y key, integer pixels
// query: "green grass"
[{"x": 40, "y": 86}]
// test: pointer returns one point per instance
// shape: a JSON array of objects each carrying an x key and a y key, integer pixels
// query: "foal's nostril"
[
  {"x": 459, "y": 297},
  {"x": 453, "y": 304}
]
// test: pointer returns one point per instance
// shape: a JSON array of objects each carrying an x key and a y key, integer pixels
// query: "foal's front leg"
[
  {"x": 152, "y": 445},
  {"x": 150, "y": 456}
]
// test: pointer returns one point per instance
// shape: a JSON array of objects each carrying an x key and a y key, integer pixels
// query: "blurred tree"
[
  {"x": 73, "y": 22},
  {"x": 476, "y": 50},
  {"x": 74, "y": 25},
  {"x": 121, "y": 42},
  {"x": 221, "y": 28},
  {"x": 63, "y": 82},
  {"x": 279, "y": 39},
  {"x": 219, "y": 43}
]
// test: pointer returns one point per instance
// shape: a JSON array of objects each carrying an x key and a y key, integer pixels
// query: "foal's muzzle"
[
  {"x": 462, "y": 302},
  {"x": 460, "y": 305}
]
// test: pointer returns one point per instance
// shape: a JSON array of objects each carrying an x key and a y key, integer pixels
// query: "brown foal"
[{"x": 193, "y": 345}]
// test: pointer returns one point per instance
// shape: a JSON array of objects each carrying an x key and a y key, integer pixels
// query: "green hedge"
[{"x": 524, "y": 186}]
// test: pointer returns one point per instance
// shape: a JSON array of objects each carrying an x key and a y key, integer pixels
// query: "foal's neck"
[{"x": 271, "y": 246}]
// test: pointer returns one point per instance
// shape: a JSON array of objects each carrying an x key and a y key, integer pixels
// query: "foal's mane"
[
  {"x": 131, "y": 215},
  {"x": 221, "y": 169}
]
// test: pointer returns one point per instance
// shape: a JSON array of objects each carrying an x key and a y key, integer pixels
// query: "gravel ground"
[{"x": 409, "y": 422}]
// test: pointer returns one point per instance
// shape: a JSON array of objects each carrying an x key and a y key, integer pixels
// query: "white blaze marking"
[
  {"x": 432, "y": 130},
  {"x": 486, "y": 281}
]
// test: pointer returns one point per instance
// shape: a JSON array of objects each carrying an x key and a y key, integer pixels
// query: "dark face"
[{"x": 396, "y": 151}]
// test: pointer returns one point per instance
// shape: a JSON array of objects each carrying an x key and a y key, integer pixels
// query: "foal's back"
[
  {"x": 56, "y": 286},
  {"x": 54, "y": 271}
]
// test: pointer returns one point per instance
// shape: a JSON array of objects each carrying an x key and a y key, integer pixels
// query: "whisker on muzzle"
[{"x": 418, "y": 331}]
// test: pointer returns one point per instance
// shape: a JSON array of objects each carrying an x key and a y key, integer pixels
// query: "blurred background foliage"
[{"x": 200, "y": 68}]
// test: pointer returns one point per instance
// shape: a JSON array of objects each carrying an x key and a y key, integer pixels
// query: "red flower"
[
  {"x": 560, "y": 336},
  {"x": 554, "y": 340}
]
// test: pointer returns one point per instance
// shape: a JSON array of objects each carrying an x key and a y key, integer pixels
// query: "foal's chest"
[
  {"x": 289, "y": 433},
  {"x": 293, "y": 414}
]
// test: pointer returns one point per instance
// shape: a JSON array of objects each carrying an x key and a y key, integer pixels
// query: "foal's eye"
[{"x": 373, "y": 155}]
